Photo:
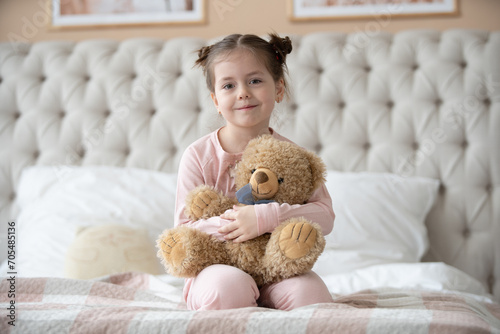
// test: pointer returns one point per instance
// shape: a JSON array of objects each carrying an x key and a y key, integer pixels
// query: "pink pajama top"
[{"x": 205, "y": 162}]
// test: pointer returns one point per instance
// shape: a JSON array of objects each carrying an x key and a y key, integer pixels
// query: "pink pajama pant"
[{"x": 220, "y": 287}]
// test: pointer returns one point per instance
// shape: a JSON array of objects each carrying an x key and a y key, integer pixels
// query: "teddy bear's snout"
[
  {"x": 261, "y": 177},
  {"x": 264, "y": 183}
]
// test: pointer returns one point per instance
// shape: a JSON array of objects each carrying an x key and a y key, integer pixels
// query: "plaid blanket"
[{"x": 140, "y": 303}]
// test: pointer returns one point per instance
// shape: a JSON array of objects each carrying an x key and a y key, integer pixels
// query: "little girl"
[{"x": 245, "y": 75}]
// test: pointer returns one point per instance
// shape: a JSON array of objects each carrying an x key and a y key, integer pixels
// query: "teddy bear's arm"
[{"x": 205, "y": 201}]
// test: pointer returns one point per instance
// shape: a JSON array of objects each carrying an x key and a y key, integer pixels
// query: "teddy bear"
[{"x": 270, "y": 170}]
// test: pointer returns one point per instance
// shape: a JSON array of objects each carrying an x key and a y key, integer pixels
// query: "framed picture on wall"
[
  {"x": 350, "y": 9},
  {"x": 105, "y": 13}
]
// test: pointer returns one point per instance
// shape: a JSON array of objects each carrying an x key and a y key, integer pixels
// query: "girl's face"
[{"x": 244, "y": 90}]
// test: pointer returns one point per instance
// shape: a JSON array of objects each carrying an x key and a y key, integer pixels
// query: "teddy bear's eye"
[
  {"x": 280, "y": 180},
  {"x": 253, "y": 170}
]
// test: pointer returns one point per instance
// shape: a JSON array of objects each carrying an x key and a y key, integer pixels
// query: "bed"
[{"x": 408, "y": 125}]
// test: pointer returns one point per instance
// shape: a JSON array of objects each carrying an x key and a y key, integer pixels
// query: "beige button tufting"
[
  {"x": 491, "y": 281},
  {"x": 466, "y": 233},
  {"x": 81, "y": 152}
]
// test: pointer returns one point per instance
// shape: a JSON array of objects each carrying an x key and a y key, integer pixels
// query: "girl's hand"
[{"x": 244, "y": 225}]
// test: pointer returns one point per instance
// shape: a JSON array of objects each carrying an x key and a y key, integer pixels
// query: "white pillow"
[
  {"x": 55, "y": 205},
  {"x": 380, "y": 218}
]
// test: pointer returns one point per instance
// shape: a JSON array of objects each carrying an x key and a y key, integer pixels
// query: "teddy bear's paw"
[
  {"x": 172, "y": 249},
  {"x": 297, "y": 239},
  {"x": 202, "y": 201}
]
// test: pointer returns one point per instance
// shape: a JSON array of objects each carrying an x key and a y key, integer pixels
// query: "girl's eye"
[
  {"x": 255, "y": 81},
  {"x": 228, "y": 86}
]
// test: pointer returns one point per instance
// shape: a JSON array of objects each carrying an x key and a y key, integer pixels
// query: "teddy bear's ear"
[{"x": 318, "y": 168}]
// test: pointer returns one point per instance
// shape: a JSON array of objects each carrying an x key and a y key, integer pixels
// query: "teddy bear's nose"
[{"x": 261, "y": 177}]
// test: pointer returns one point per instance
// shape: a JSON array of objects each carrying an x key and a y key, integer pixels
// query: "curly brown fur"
[
  {"x": 301, "y": 171},
  {"x": 277, "y": 265},
  {"x": 205, "y": 201},
  {"x": 182, "y": 261}
]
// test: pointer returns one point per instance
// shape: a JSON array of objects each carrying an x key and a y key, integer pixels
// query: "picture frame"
[
  {"x": 122, "y": 13},
  {"x": 306, "y": 10}
]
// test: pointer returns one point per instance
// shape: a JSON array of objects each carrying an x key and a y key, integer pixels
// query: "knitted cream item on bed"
[{"x": 109, "y": 249}]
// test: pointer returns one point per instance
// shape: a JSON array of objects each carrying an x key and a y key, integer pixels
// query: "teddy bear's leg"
[
  {"x": 297, "y": 238},
  {"x": 185, "y": 251},
  {"x": 293, "y": 248}
]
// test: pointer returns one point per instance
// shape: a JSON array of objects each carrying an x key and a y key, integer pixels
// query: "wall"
[{"x": 24, "y": 19}]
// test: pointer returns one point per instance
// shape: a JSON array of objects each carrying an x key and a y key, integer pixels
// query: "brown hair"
[{"x": 272, "y": 53}]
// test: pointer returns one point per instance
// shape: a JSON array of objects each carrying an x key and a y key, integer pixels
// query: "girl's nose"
[{"x": 243, "y": 94}]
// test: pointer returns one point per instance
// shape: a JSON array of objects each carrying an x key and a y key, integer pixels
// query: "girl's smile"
[{"x": 247, "y": 107}]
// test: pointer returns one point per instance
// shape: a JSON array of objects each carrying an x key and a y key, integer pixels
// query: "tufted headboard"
[{"x": 414, "y": 103}]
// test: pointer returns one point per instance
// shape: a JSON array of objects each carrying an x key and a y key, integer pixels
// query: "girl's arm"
[
  {"x": 250, "y": 221},
  {"x": 190, "y": 176},
  {"x": 318, "y": 210}
]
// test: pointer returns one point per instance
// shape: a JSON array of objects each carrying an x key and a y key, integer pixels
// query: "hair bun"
[
  {"x": 283, "y": 46},
  {"x": 287, "y": 45},
  {"x": 202, "y": 55}
]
